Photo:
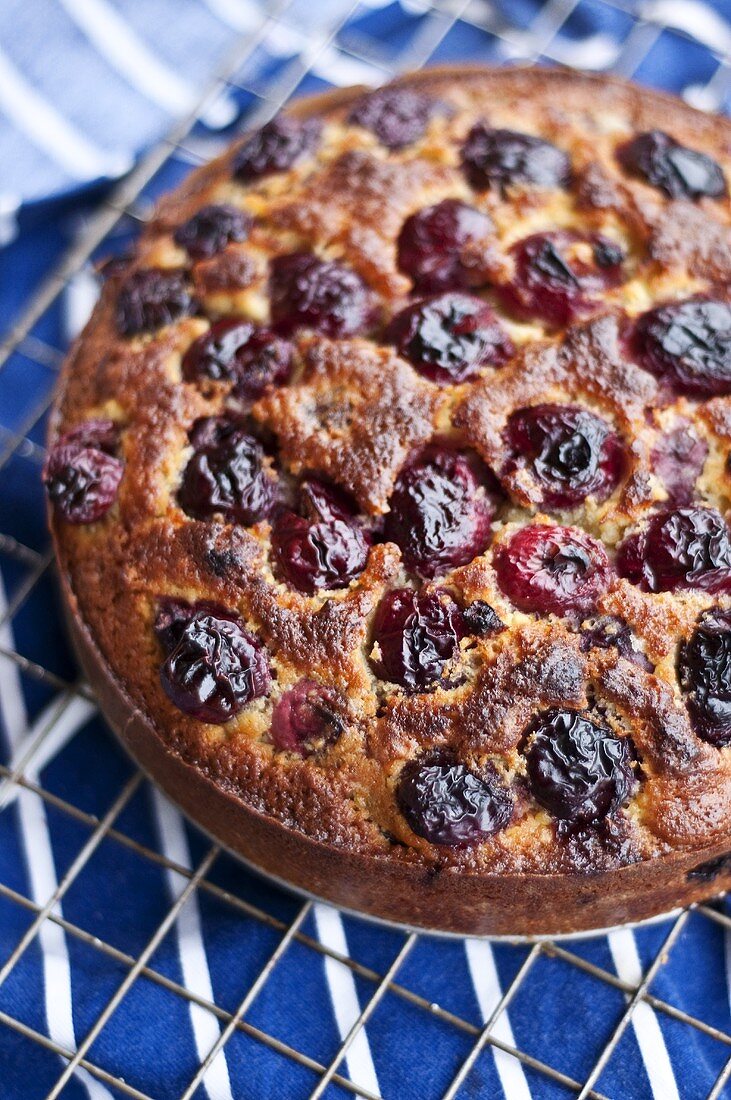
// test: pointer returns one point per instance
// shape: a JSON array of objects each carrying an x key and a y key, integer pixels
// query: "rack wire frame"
[{"x": 533, "y": 43}]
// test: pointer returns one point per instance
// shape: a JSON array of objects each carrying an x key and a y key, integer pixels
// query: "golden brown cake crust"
[{"x": 354, "y": 413}]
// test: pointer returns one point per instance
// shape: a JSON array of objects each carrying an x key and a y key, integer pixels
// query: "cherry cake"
[{"x": 390, "y": 484}]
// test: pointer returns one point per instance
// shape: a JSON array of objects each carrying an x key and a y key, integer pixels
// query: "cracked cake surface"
[{"x": 390, "y": 487}]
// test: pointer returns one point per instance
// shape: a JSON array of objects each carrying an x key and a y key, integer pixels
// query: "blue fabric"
[{"x": 156, "y": 1039}]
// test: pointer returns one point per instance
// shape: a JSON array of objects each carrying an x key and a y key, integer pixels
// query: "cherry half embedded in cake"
[
  {"x": 611, "y": 632},
  {"x": 226, "y": 474},
  {"x": 704, "y": 672},
  {"x": 82, "y": 473},
  {"x": 397, "y": 116},
  {"x": 687, "y": 344},
  {"x": 677, "y": 459},
  {"x": 679, "y": 548},
  {"x": 558, "y": 455},
  {"x": 577, "y": 770},
  {"x": 325, "y": 295},
  {"x": 552, "y": 570},
  {"x": 680, "y": 172},
  {"x": 306, "y": 719},
  {"x": 450, "y": 336},
  {"x": 233, "y": 350},
  {"x": 505, "y": 158},
  {"x": 211, "y": 228},
  {"x": 324, "y": 547},
  {"x": 440, "y": 512},
  {"x": 276, "y": 147},
  {"x": 151, "y": 298},
  {"x": 442, "y": 247},
  {"x": 447, "y": 803},
  {"x": 215, "y": 667},
  {"x": 560, "y": 275},
  {"x": 417, "y": 636}
]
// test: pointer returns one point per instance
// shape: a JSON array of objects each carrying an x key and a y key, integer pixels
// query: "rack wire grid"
[{"x": 34, "y": 779}]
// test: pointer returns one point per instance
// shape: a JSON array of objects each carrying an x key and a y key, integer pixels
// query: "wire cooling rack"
[{"x": 307, "y": 59}]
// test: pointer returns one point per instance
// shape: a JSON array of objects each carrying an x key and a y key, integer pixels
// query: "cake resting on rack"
[{"x": 389, "y": 483}]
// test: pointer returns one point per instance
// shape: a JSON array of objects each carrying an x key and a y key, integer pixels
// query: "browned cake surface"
[{"x": 353, "y": 414}]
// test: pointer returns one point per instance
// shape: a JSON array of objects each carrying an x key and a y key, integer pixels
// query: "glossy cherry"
[
  {"x": 307, "y": 292},
  {"x": 247, "y": 355},
  {"x": 82, "y": 473},
  {"x": 552, "y": 570},
  {"x": 325, "y": 546},
  {"x": 505, "y": 158},
  {"x": 561, "y": 454},
  {"x": 447, "y": 803},
  {"x": 680, "y": 172},
  {"x": 417, "y": 635},
  {"x": 704, "y": 672},
  {"x": 577, "y": 770},
  {"x": 214, "y": 668},
  {"x": 450, "y": 336},
  {"x": 677, "y": 460},
  {"x": 679, "y": 548},
  {"x": 439, "y": 246},
  {"x": 560, "y": 275},
  {"x": 687, "y": 344},
  {"x": 226, "y": 474},
  {"x": 440, "y": 513}
]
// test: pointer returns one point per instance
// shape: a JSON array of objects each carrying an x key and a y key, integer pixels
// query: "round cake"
[{"x": 389, "y": 484}]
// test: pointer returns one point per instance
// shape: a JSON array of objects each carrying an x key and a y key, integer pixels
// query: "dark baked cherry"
[
  {"x": 677, "y": 459},
  {"x": 502, "y": 158},
  {"x": 679, "y": 548},
  {"x": 688, "y": 345},
  {"x": 579, "y": 771},
  {"x": 397, "y": 116},
  {"x": 550, "y": 569},
  {"x": 215, "y": 668},
  {"x": 151, "y": 298},
  {"x": 680, "y": 172},
  {"x": 211, "y": 228},
  {"x": 481, "y": 619},
  {"x": 276, "y": 147},
  {"x": 438, "y": 246},
  {"x": 566, "y": 452},
  {"x": 326, "y": 547},
  {"x": 704, "y": 672},
  {"x": 226, "y": 474},
  {"x": 440, "y": 511},
  {"x": 306, "y": 718},
  {"x": 307, "y": 292},
  {"x": 101, "y": 434},
  {"x": 81, "y": 481},
  {"x": 450, "y": 336},
  {"x": 447, "y": 803},
  {"x": 417, "y": 635},
  {"x": 611, "y": 632},
  {"x": 249, "y": 356},
  {"x": 559, "y": 275}
]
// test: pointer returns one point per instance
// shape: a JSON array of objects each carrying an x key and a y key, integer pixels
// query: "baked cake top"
[{"x": 391, "y": 476}]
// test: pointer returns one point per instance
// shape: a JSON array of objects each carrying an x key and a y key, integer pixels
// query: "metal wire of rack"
[{"x": 535, "y": 41}]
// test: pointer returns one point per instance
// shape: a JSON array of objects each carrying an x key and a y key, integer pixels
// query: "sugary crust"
[{"x": 354, "y": 413}]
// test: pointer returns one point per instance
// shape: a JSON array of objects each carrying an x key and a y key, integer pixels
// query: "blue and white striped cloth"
[{"x": 85, "y": 86}]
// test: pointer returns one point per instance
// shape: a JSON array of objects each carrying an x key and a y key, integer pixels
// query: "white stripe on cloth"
[
  {"x": 344, "y": 997},
  {"x": 49, "y": 131},
  {"x": 191, "y": 948},
  {"x": 647, "y": 1029},
  {"x": 481, "y": 963},
  {"x": 240, "y": 15},
  {"x": 42, "y": 878},
  {"x": 125, "y": 51}
]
